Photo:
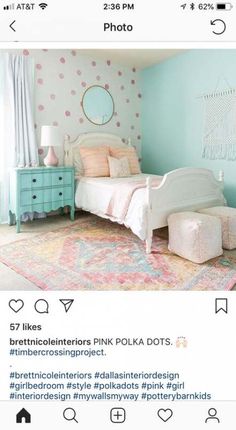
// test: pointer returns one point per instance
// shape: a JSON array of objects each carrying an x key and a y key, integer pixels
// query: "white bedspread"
[{"x": 94, "y": 195}]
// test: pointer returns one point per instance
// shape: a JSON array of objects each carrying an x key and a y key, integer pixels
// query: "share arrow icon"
[{"x": 67, "y": 303}]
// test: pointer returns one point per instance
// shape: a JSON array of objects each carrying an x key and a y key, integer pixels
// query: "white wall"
[{"x": 62, "y": 76}]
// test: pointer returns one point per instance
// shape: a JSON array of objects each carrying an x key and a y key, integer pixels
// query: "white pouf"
[
  {"x": 227, "y": 217},
  {"x": 194, "y": 236}
]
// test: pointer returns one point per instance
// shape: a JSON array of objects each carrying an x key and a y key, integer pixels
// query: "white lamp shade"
[{"x": 50, "y": 136}]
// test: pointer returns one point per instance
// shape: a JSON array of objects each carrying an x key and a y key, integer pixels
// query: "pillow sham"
[
  {"x": 131, "y": 154},
  {"x": 119, "y": 167},
  {"x": 94, "y": 160}
]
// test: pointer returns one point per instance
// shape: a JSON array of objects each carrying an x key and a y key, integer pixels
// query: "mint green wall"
[{"x": 172, "y": 115}]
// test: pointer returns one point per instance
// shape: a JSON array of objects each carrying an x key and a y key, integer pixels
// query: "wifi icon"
[{"x": 43, "y": 5}]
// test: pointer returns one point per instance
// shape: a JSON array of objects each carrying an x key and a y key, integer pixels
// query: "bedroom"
[{"x": 157, "y": 111}]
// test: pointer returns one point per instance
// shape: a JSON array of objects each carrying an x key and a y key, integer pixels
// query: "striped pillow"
[
  {"x": 95, "y": 161},
  {"x": 131, "y": 154}
]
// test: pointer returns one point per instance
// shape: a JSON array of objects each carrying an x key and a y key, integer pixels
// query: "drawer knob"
[
  {"x": 34, "y": 197},
  {"x": 60, "y": 194},
  {"x": 34, "y": 180},
  {"x": 60, "y": 178}
]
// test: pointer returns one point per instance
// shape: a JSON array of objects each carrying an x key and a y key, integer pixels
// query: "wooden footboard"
[{"x": 185, "y": 189}]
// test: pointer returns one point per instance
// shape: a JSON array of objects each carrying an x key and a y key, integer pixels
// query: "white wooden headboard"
[{"x": 88, "y": 139}]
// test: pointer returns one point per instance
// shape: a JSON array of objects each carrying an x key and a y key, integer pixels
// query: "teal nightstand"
[{"x": 40, "y": 189}]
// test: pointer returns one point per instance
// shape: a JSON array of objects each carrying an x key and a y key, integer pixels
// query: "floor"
[{"x": 10, "y": 280}]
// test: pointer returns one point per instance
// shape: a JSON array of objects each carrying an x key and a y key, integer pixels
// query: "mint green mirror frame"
[{"x": 98, "y": 105}]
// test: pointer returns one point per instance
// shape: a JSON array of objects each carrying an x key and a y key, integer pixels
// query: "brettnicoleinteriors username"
[{"x": 135, "y": 341}]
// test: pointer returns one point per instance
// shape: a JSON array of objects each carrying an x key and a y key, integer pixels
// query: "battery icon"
[{"x": 224, "y": 6}]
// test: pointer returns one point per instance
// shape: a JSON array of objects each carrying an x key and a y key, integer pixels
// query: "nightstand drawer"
[
  {"x": 61, "y": 178},
  {"x": 31, "y": 180},
  {"x": 45, "y": 196}
]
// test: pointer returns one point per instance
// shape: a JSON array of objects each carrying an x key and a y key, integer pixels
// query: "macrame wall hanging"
[{"x": 219, "y": 139}]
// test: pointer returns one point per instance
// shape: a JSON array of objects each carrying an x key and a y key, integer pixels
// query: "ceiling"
[{"x": 140, "y": 58}]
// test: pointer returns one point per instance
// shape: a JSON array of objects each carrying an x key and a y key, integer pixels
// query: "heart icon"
[
  {"x": 16, "y": 305},
  {"x": 165, "y": 414}
]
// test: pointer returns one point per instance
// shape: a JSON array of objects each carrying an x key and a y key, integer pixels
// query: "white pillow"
[{"x": 119, "y": 167}]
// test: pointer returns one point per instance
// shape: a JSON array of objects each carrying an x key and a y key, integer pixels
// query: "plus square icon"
[{"x": 117, "y": 415}]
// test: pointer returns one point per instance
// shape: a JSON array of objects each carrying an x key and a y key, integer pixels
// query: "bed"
[{"x": 141, "y": 202}]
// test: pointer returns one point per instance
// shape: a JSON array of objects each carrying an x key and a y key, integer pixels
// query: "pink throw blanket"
[{"x": 122, "y": 195}]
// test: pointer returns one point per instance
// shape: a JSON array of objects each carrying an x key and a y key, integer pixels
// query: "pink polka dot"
[
  {"x": 107, "y": 86},
  {"x": 119, "y": 73},
  {"x": 52, "y": 96},
  {"x": 55, "y": 123},
  {"x": 62, "y": 60},
  {"x": 78, "y": 72},
  {"x": 61, "y": 76},
  {"x": 127, "y": 100},
  {"x": 25, "y": 52},
  {"x": 41, "y": 108},
  {"x": 137, "y": 115},
  {"x": 67, "y": 113},
  {"x": 73, "y": 92},
  {"x": 115, "y": 114},
  {"x": 139, "y": 137},
  {"x": 94, "y": 63},
  {"x": 134, "y": 69},
  {"x": 133, "y": 82},
  {"x": 35, "y": 126},
  {"x": 81, "y": 104},
  {"x": 122, "y": 87},
  {"x": 108, "y": 62},
  {"x": 45, "y": 50},
  {"x": 118, "y": 124},
  {"x": 40, "y": 81},
  {"x": 40, "y": 151},
  {"x": 123, "y": 140},
  {"x": 139, "y": 96},
  {"x": 98, "y": 78},
  {"x": 83, "y": 84},
  {"x": 73, "y": 52},
  {"x": 81, "y": 120},
  {"x": 38, "y": 66}
]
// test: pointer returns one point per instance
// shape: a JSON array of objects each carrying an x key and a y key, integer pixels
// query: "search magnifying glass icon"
[{"x": 70, "y": 415}]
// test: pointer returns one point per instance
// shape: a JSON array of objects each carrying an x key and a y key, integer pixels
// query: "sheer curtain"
[{"x": 18, "y": 147}]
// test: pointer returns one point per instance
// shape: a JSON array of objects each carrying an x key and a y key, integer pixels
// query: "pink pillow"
[
  {"x": 131, "y": 154},
  {"x": 94, "y": 160}
]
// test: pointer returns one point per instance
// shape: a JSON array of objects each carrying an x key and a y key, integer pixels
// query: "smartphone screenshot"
[{"x": 117, "y": 215}]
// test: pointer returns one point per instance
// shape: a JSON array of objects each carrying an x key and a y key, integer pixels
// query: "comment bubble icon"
[{"x": 41, "y": 306}]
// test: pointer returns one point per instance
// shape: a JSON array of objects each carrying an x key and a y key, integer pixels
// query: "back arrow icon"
[
  {"x": 11, "y": 25},
  {"x": 224, "y": 26}
]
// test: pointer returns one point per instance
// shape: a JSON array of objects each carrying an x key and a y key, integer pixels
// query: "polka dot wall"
[{"x": 62, "y": 77}]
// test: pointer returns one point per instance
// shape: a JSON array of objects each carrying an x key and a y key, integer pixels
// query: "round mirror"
[{"x": 98, "y": 105}]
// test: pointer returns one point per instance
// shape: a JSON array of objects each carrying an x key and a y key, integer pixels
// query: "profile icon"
[{"x": 212, "y": 412}]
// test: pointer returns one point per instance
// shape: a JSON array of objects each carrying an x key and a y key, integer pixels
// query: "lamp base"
[{"x": 51, "y": 159}]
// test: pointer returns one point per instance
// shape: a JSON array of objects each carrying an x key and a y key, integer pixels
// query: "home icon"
[{"x": 23, "y": 417}]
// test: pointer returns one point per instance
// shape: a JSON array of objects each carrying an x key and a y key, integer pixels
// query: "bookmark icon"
[{"x": 67, "y": 303}]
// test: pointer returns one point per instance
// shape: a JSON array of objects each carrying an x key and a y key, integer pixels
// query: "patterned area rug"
[{"x": 95, "y": 254}]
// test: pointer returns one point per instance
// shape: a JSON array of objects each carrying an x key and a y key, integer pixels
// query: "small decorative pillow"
[
  {"x": 95, "y": 161},
  {"x": 131, "y": 154},
  {"x": 119, "y": 167}
]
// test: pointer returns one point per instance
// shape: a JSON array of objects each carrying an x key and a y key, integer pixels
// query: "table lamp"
[{"x": 50, "y": 136}]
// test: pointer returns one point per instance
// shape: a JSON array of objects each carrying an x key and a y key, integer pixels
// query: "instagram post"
[
  {"x": 109, "y": 225},
  {"x": 117, "y": 215}
]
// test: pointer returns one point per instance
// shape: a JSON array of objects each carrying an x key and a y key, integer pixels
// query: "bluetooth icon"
[{"x": 192, "y": 6}]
